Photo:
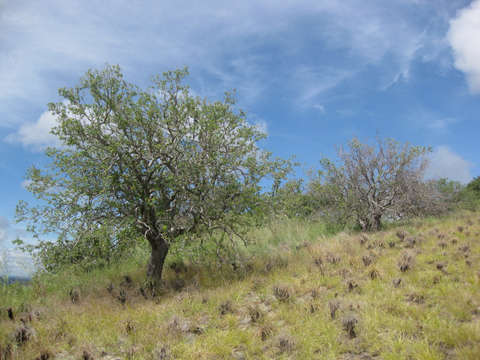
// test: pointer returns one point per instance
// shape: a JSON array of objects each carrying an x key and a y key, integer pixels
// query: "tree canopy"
[{"x": 157, "y": 160}]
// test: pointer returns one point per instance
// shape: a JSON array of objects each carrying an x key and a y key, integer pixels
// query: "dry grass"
[{"x": 337, "y": 298}]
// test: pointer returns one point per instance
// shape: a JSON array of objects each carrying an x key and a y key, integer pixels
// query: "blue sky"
[{"x": 312, "y": 73}]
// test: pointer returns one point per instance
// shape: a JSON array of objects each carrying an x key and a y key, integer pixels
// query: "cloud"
[
  {"x": 463, "y": 37},
  {"x": 444, "y": 163},
  {"x": 250, "y": 45},
  {"x": 36, "y": 135},
  {"x": 12, "y": 261},
  {"x": 441, "y": 124},
  {"x": 430, "y": 119},
  {"x": 4, "y": 225},
  {"x": 17, "y": 263},
  {"x": 313, "y": 82}
]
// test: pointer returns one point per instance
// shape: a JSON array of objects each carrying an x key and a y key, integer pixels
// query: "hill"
[
  {"x": 14, "y": 279},
  {"x": 411, "y": 292}
]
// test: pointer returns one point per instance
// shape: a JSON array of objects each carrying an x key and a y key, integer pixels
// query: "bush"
[{"x": 97, "y": 249}]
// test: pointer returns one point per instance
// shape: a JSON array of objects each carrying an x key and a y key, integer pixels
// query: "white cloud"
[
  {"x": 441, "y": 124},
  {"x": 435, "y": 122},
  {"x": 16, "y": 262},
  {"x": 464, "y": 35},
  {"x": 36, "y": 135},
  {"x": 319, "y": 107},
  {"x": 12, "y": 261},
  {"x": 313, "y": 82},
  {"x": 49, "y": 44},
  {"x": 444, "y": 163},
  {"x": 4, "y": 225}
]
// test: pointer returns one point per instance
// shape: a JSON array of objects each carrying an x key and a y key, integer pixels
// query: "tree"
[
  {"x": 102, "y": 245},
  {"x": 160, "y": 161},
  {"x": 474, "y": 186},
  {"x": 470, "y": 195},
  {"x": 450, "y": 191},
  {"x": 291, "y": 200},
  {"x": 373, "y": 182}
]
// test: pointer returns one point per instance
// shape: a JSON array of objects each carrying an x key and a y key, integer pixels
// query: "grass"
[{"x": 277, "y": 307}]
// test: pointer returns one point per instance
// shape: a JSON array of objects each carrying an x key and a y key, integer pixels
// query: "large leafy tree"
[{"x": 160, "y": 161}]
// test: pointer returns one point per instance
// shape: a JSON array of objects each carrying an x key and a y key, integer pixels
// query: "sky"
[{"x": 312, "y": 73}]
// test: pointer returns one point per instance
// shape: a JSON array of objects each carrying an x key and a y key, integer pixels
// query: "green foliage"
[
  {"x": 160, "y": 161},
  {"x": 450, "y": 191},
  {"x": 95, "y": 249},
  {"x": 469, "y": 196},
  {"x": 291, "y": 200},
  {"x": 459, "y": 196},
  {"x": 474, "y": 186},
  {"x": 449, "y": 188},
  {"x": 326, "y": 202}
]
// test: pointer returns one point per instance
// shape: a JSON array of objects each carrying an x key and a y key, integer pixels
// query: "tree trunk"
[
  {"x": 157, "y": 258},
  {"x": 370, "y": 223},
  {"x": 377, "y": 222},
  {"x": 364, "y": 224}
]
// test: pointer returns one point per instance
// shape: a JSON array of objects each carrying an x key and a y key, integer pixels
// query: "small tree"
[
  {"x": 100, "y": 246},
  {"x": 372, "y": 182},
  {"x": 470, "y": 195},
  {"x": 160, "y": 161},
  {"x": 291, "y": 200},
  {"x": 474, "y": 187},
  {"x": 450, "y": 191}
]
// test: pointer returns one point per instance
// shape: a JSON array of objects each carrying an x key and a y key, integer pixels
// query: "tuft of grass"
[{"x": 297, "y": 293}]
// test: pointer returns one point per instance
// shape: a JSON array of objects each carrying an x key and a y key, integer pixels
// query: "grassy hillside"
[{"x": 411, "y": 292}]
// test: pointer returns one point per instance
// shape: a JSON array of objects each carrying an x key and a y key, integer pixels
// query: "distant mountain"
[{"x": 15, "y": 279}]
